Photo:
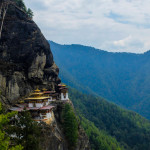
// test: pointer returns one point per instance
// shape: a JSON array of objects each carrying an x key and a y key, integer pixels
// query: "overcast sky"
[{"x": 112, "y": 25}]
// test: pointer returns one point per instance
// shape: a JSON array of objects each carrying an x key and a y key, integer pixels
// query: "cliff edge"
[{"x": 26, "y": 61}]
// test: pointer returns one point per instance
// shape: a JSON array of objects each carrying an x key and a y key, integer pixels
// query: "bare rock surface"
[
  {"x": 26, "y": 61},
  {"x": 54, "y": 137}
]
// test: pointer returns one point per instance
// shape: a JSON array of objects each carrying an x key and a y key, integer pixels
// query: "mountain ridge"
[
  {"x": 98, "y": 49},
  {"x": 119, "y": 77}
]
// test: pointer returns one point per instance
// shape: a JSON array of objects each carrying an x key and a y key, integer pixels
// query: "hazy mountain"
[{"x": 123, "y": 78}]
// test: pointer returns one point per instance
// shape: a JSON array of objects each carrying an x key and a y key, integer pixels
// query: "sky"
[{"x": 112, "y": 25}]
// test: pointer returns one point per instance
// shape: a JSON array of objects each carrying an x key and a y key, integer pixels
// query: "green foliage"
[
  {"x": 5, "y": 141},
  {"x": 26, "y": 130},
  {"x": 70, "y": 125},
  {"x": 30, "y": 13},
  {"x": 130, "y": 129},
  {"x": 21, "y": 4},
  {"x": 99, "y": 140},
  {"x": 18, "y": 147}
]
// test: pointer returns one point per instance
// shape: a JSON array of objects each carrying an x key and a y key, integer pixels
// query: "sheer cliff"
[{"x": 26, "y": 61}]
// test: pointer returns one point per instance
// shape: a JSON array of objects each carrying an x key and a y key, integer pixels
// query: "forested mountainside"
[
  {"x": 26, "y": 63},
  {"x": 109, "y": 125},
  {"x": 122, "y": 78}
]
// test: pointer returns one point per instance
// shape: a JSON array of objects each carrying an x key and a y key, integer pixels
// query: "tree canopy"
[
  {"x": 5, "y": 140},
  {"x": 70, "y": 125},
  {"x": 27, "y": 132},
  {"x": 129, "y": 129},
  {"x": 21, "y": 4}
]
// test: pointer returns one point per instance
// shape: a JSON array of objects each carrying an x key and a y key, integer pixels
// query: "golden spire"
[{"x": 37, "y": 90}]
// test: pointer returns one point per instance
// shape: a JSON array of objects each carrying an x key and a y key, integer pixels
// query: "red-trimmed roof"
[
  {"x": 33, "y": 108},
  {"x": 16, "y": 109},
  {"x": 46, "y": 107},
  {"x": 47, "y": 92},
  {"x": 21, "y": 105}
]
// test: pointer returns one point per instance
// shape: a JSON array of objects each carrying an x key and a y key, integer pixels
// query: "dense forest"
[
  {"x": 70, "y": 125},
  {"x": 130, "y": 130},
  {"x": 122, "y": 78},
  {"x": 99, "y": 139}
]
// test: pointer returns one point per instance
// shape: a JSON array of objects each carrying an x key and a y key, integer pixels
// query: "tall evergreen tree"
[{"x": 70, "y": 125}]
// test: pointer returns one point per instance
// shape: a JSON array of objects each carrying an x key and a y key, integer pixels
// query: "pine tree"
[
  {"x": 30, "y": 13},
  {"x": 70, "y": 125}
]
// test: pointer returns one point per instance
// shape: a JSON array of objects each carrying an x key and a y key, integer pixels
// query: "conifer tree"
[{"x": 70, "y": 125}]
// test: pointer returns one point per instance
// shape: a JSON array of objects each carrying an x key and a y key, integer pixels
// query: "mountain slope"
[
  {"x": 119, "y": 77},
  {"x": 130, "y": 129},
  {"x": 99, "y": 139}
]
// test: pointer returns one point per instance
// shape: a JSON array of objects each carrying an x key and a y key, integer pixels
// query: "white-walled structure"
[
  {"x": 38, "y": 103},
  {"x": 63, "y": 92},
  {"x": 64, "y": 96}
]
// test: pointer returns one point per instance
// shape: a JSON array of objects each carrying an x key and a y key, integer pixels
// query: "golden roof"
[
  {"x": 40, "y": 93},
  {"x": 44, "y": 89},
  {"x": 37, "y": 98},
  {"x": 37, "y": 95}
]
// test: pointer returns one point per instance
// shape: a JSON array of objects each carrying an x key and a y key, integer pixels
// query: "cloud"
[
  {"x": 114, "y": 25},
  {"x": 126, "y": 44}
]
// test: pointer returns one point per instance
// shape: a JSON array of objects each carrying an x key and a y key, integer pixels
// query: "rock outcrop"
[
  {"x": 26, "y": 61},
  {"x": 54, "y": 137}
]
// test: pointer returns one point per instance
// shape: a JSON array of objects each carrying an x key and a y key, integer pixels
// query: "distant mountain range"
[{"x": 123, "y": 78}]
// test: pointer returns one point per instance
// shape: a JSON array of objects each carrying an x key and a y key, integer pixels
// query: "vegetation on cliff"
[
  {"x": 70, "y": 125},
  {"x": 27, "y": 132},
  {"x": 21, "y": 4},
  {"x": 18, "y": 131},
  {"x": 5, "y": 140},
  {"x": 31, "y": 66},
  {"x": 130, "y": 129}
]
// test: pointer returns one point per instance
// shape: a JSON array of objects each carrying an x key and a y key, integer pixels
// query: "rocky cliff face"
[
  {"x": 26, "y": 61},
  {"x": 54, "y": 137}
]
